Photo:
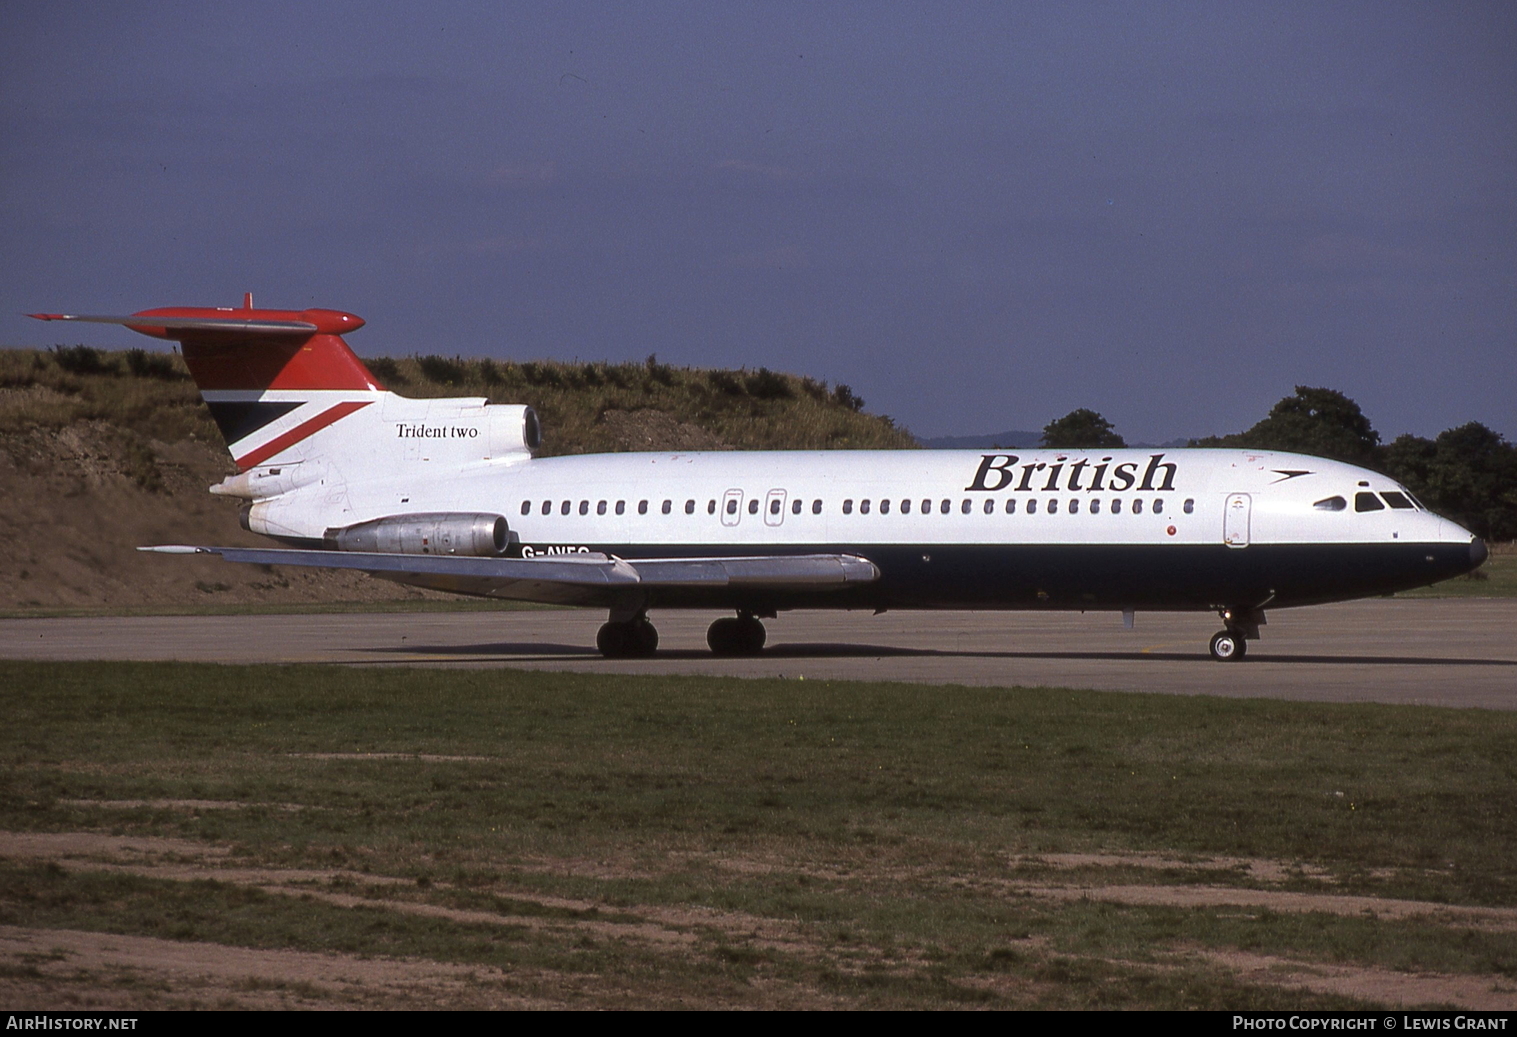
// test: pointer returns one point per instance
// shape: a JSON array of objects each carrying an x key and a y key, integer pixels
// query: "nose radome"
[{"x": 1478, "y": 553}]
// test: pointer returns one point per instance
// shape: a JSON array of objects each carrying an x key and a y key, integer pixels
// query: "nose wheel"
[
  {"x": 629, "y": 639},
  {"x": 742, "y": 635},
  {"x": 1227, "y": 647}
]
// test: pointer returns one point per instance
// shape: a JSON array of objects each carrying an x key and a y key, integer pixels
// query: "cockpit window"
[
  {"x": 1332, "y": 504},
  {"x": 1397, "y": 500},
  {"x": 1367, "y": 502}
]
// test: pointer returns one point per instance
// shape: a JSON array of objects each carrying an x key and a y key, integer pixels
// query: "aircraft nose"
[{"x": 1478, "y": 553}]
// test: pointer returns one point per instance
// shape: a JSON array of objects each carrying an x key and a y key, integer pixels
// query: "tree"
[
  {"x": 1468, "y": 474},
  {"x": 1321, "y": 422},
  {"x": 1078, "y": 429}
]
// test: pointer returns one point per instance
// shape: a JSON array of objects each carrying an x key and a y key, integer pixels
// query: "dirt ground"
[
  {"x": 80, "y": 500},
  {"x": 61, "y": 968}
]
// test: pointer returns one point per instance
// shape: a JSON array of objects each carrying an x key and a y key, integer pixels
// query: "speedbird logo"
[{"x": 1003, "y": 472}]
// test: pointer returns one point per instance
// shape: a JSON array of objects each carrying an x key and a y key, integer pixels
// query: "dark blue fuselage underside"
[{"x": 1168, "y": 577}]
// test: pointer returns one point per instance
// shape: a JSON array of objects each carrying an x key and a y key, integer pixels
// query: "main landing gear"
[
  {"x": 743, "y": 635},
  {"x": 633, "y": 638},
  {"x": 1231, "y": 645}
]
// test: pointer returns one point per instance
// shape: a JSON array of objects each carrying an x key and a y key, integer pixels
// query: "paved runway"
[{"x": 1452, "y": 652}]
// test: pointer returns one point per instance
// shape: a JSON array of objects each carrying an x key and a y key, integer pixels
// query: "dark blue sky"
[{"x": 980, "y": 216}]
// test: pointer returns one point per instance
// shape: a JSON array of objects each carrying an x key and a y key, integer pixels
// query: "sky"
[{"x": 978, "y": 216}]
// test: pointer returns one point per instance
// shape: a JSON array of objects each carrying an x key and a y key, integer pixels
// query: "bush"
[
  {"x": 764, "y": 384},
  {"x": 81, "y": 360},
  {"x": 440, "y": 369},
  {"x": 155, "y": 365}
]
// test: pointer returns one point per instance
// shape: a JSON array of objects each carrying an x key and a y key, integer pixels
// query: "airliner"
[{"x": 447, "y": 494}]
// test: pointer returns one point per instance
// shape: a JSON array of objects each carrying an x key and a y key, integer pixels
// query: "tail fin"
[{"x": 271, "y": 378}]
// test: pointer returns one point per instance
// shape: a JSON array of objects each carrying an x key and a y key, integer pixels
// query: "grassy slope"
[
  {"x": 102, "y": 452},
  {"x": 807, "y": 842},
  {"x": 743, "y": 409}
]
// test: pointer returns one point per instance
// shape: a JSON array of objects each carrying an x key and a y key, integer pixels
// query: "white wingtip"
[{"x": 175, "y": 549}]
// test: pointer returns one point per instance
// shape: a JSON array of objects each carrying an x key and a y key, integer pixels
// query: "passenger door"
[{"x": 1235, "y": 520}]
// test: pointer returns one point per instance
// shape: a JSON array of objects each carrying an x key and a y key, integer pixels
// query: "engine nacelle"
[
  {"x": 511, "y": 428},
  {"x": 430, "y": 533}
]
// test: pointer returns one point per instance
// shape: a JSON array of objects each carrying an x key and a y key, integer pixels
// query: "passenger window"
[
  {"x": 732, "y": 505},
  {"x": 1367, "y": 502},
  {"x": 863, "y": 507},
  {"x": 1158, "y": 507},
  {"x": 621, "y": 507},
  {"x": 926, "y": 507},
  {"x": 885, "y": 506},
  {"x": 965, "y": 507},
  {"x": 848, "y": 507},
  {"x": 1137, "y": 507},
  {"x": 547, "y": 507},
  {"x": 1074, "y": 506},
  {"x": 1397, "y": 500},
  {"x": 990, "y": 507},
  {"x": 690, "y": 507},
  {"x": 816, "y": 507},
  {"x": 711, "y": 507},
  {"x": 795, "y": 506},
  {"x": 526, "y": 507},
  {"x": 600, "y": 509},
  {"x": 753, "y": 506},
  {"x": 584, "y": 507},
  {"x": 1011, "y": 505},
  {"x": 1116, "y": 506},
  {"x": 1190, "y": 506},
  {"x": 906, "y": 506},
  {"x": 774, "y": 506},
  {"x": 1053, "y": 506},
  {"x": 1331, "y": 504},
  {"x": 1095, "y": 506},
  {"x": 566, "y": 506},
  {"x": 642, "y": 507},
  {"x": 1032, "y": 506},
  {"x": 668, "y": 506},
  {"x": 946, "y": 506}
]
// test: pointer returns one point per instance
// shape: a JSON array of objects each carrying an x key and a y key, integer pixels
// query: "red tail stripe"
[
  {"x": 299, "y": 432},
  {"x": 230, "y": 361}
]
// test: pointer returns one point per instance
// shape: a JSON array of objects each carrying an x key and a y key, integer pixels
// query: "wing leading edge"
[{"x": 583, "y": 579}]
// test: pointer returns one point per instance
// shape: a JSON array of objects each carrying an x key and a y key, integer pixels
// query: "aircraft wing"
[{"x": 580, "y": 579}]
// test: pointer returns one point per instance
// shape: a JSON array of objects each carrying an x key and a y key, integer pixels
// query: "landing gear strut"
[
  {"x": 1231, "y": 645},
  {"x": 627, "y": 639},
  {"x": 743, "y": 635}
]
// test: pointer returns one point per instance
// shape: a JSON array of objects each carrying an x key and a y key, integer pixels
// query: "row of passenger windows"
[
  {"x": 944, "y": 507},
  {"x": 1051, "y": 506}
]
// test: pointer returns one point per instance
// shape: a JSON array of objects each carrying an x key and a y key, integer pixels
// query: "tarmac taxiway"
[{"x": 1446, "y": 652}]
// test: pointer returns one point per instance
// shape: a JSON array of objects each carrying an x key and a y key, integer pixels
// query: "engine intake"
[{"x": 430, "y": 533}]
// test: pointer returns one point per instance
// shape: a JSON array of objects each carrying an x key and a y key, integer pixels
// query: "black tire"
[
  {"x": 637, "y": 639},
  {"x": 1228, "y": 647},
  {"x": 643, "y": 638},
  {"x": 723, "y": 637},
  {"x": 613, "y": 641},
  {"x": 751, "y": 636}
]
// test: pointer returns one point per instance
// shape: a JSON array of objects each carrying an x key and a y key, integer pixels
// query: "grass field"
[
  {"x": 1497, "y": 578},
  {"x": 490, "y": 838}
]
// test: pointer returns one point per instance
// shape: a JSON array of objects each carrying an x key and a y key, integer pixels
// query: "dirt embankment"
[{"x": 76, "y": 503}]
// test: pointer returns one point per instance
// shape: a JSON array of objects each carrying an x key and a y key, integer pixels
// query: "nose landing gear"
[{"x": 1231, "y": 645}]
